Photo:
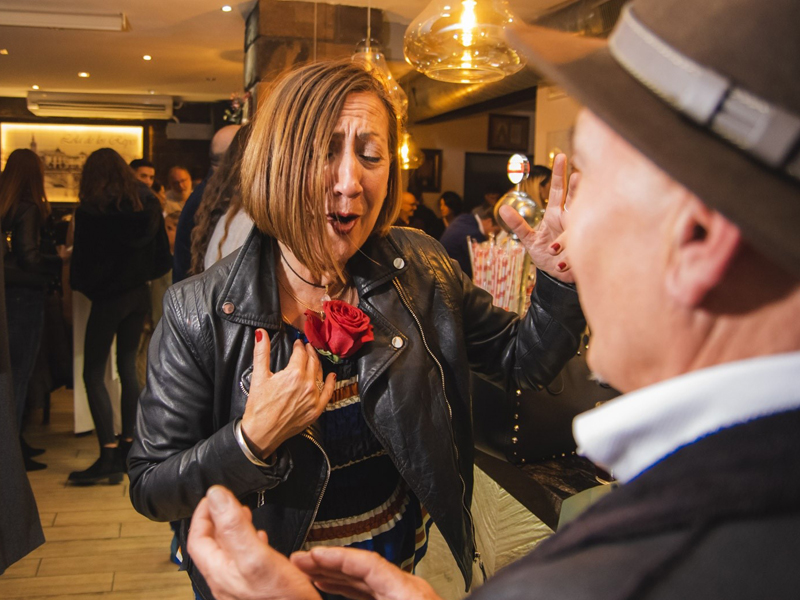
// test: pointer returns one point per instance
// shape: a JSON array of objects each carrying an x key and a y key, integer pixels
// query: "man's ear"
[{"x": 704, "y": 244}]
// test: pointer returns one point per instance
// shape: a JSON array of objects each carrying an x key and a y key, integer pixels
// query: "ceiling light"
[
  {"x": 462, "y": 42},
  {"x": 226, "y": 8},
  {"x": 34, "y": 87},
  {"x": 147, "y": 57},
  {"x": 83, "y": 74},
  {"x": 3, "y": 51},
  {"x": 64, "y": 20},
  {"x": 151, "y": 92}
]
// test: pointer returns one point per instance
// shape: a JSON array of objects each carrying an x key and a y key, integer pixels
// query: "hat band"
[{"x": 762, "y": 130}]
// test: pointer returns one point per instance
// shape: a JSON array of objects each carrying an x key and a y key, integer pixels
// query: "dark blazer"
[
  {"x": 454, "y": 239},
  {"x": 116, "y": 251},
  {"x": 431, "y": 328},
  {"x": 20, "y": 529},
  {"x": 719, "y": 518},
  {"x": 26, "y": 264}
]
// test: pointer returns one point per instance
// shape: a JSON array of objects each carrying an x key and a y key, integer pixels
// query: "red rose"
[{"x": 341, "y": 332}]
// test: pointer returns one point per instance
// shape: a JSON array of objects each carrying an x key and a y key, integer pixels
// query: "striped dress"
[{"x": 366, "y": 504}]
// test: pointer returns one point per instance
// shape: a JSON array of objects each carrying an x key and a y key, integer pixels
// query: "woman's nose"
[{"x": 348, "y": 175}]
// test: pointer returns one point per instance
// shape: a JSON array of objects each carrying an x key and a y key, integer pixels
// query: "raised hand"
[
  {"x": 236, "y": 561},
  {"x": 360, "y": 575},
  {"x": 545, "y": 245},
  {"x": 283, "y": 404}
]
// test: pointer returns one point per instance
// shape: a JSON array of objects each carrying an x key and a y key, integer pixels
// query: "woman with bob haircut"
[
  {"x": 322, "y": 372},
  {"x": 120, "y": 244}
]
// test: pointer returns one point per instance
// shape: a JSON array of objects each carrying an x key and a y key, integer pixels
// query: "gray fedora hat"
[{"x": 710, "y": 92}]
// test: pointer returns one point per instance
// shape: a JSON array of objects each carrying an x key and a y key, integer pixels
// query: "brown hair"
[
  {"x": 23, "y": 175},
  {"x": 107, "y": 180},
  {"x": 283, "y": 183},
  {"x": 221, "y": 196}
]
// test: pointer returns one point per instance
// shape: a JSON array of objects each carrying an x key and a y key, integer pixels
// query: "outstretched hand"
[
  {"x": 236, "y": 561},
  {"x": 360, "y": 575},
  {"x": 545, "y": 244}
]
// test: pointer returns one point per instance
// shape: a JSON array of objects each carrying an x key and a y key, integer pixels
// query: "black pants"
[{"x": 123, "y": 316}]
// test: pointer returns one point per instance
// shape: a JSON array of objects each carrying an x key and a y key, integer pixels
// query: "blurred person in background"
[
  {"x": 144, "y": 170},
  {"x": 182, "y": 256},
  {"x": 450, "y": 206},
  {"x": 25, "y": 215},
  {"x": 120, "y": 244},
  {"x": 179, "y": 188},
  {"x": 477, "y": 225},
  {"x": 537, "y": 185}
]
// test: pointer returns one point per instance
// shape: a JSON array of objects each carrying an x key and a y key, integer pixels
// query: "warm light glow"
[
  {"x": 410, "y": 155},
  {"x": 83, "y": 74},
  {"x": 151, "y": 92},
  {"x": 226, "y": 8},
  {"x": 34, "y": 87},
  {"x": 64, "y": 148},
  {"x": 3, "y": 51},
  {"x": 147, "y": 57},
  {"x": 468, "y": 22}
]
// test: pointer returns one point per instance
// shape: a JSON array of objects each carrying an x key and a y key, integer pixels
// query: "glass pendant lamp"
[
  {"x": 410, "y": 155},
  {"x": 461, "y": 41},
  {"x": 370, "y": 54}
]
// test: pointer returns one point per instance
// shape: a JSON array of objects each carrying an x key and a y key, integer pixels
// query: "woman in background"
[
  {"x": 537, "y": 186},
  {"x": 120, "y": 244},
  {"x": 25, "y": 212},
  {"x": 221, "y": 226},
  {"x": 450, "y": 206}
]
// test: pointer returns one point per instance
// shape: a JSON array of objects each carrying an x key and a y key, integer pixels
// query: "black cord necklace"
[{"x": 286, "y": 262}]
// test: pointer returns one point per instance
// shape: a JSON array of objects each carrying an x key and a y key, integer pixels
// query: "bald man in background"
[{"x": 182, "y": 255}]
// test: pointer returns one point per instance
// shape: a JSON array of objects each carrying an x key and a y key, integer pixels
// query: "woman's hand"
[
  {"x": 283, "y": 404},
  {"x": 545, "y": 245}
]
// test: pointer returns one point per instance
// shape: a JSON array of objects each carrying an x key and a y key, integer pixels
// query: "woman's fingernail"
[
  {"x": 562, "y": 266},
  {"x": 259, "y": 335},
  {"x": 555, "y": 247}
]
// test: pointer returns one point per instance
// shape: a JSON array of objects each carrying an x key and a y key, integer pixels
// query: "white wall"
[
  {"x": 455, "y": 138},
  {"x": 555, "y": 117}
]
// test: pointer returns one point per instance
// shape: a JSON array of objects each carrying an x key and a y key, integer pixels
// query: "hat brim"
[{"x": 764, "y": 203}]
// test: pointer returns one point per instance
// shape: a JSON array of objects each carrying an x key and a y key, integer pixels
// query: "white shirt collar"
[
  {"x": 480, "y": 224},
  {"x": 633, "y": 432}
]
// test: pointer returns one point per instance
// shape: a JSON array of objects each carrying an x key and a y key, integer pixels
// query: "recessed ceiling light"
[
  {"x": 3, "y": 51},
  {"x": 151, "y": 92},
  {"x": 147, "y": 57},
  {"x": 34, "y": 87},
  {"x": 226, "y": 8},
  {"x": 83, "y": 74}
]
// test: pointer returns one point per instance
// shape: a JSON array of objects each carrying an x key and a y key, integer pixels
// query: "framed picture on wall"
[
  {"x": 508, "y": 132},
  {"x": 428, "y": 177},
  {"x": 64, "y": 148}
]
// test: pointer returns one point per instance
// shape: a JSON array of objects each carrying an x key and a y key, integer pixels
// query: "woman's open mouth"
[{"x": 342, "y": 223}]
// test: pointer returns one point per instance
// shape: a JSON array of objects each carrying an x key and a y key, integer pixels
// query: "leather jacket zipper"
[
  {"x": 311, "y": 439},
  {"x": 476, "y": 557}
]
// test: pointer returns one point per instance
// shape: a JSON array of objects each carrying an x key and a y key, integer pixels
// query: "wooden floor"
[{"x": 97, "y": 546}]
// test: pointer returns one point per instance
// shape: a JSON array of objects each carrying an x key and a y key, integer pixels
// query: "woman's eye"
[{"x": 371, "y": 159}]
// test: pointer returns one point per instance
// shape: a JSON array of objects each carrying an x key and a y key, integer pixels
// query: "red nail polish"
[
  {"x": 562, "y": 266},
  {"x": 259, "y": 335},
  {"x": 556, "y": 247}
]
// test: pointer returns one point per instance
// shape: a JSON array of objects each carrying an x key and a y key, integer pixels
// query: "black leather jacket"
[{"x": 431, "y": 326}]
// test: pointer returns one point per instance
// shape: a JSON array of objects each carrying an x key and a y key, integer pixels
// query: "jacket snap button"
[
  {"x": 397, "y": 341},
  {"x": 399, "y": 263},
  {"x": 228, "y": 308}
]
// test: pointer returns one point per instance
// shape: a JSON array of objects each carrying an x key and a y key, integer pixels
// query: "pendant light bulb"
[
  {"x": 369, "y": 53},
  {"x": 462, "y": 41},
  {"x": 410, "y": 155}
]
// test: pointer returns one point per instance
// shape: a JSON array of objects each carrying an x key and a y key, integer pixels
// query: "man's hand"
[
  {"x": 545, "y": 245},
  {"x": 360, "y": 575},
  {"x": 236, "y": 561}
]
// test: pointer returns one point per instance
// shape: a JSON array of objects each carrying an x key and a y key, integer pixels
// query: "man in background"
[
  {"x": 682, "y": 237},
  {"x": 182, "y": 254},
  {"x": 145, "y": 171},
  {"x": 477, "y": 225},
  {"x": 179, "y": 188}
]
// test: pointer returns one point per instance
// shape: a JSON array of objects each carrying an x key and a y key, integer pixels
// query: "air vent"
[{"x": 100, "y": 106}]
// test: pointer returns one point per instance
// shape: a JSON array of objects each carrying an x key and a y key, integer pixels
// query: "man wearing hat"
[{"x": 684, "y": 239}]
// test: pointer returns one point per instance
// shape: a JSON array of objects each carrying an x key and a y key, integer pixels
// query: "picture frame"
[
  {"x": 65, "y": 148},
  {"x": 509, "y": 133},
  {"x": 428, "y": 177}
]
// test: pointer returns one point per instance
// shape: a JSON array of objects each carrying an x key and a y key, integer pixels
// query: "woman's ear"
[{"x": 704, "y": 244}]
